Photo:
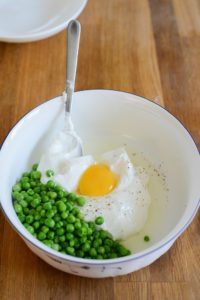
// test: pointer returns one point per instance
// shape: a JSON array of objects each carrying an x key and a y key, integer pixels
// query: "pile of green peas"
[{"x": 53, "y": 216}]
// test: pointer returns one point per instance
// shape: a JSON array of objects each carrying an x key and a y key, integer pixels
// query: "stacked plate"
[{"x": 32, "y": 20}]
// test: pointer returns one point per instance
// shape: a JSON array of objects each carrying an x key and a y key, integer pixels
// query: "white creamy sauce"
[{"x": 125, "y": 209}]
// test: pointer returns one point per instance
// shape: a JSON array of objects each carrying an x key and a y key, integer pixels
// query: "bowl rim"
[{"x": 67, "y": 258}]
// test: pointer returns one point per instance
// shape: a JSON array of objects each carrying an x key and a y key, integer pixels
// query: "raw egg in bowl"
[{"x": 138, "y": 176}]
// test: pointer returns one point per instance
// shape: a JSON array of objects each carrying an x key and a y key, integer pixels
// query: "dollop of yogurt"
[{"x": 66, "y": 145}]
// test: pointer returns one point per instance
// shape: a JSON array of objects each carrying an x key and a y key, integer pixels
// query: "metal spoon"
[{"x": 73, "y": 38}]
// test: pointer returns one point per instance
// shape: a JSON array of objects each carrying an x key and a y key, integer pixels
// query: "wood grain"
[{"x": 151, "y": 48}]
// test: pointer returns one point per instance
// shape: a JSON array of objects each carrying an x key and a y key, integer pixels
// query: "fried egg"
[{"x": 112, "y": 186}]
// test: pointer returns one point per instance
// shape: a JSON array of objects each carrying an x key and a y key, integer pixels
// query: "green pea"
[
  {"x": 47, "y": 206},
  {"x": 93, "y": 252},
  {"x": 37, "y": 217},
  {"x": 35, "y": 202},
  {"x": 92, "y": 226},
  {"x": 52, "y": 195},
  {"x": 83, "y": 239},
  {"x": 76, "y": 243},
  {"x": 80, "y": 253},
  {"x": 41, "y": 236},
  {"x": 33, "y": 184},
  {"x": 42, "y": 189},
  {"x": 55, "y": 247},
  {"x": 57, "y": 218},
  {"x": 108, "y": 242},
  {"x": 70, "y": 227},
  {"x": 69, "y": 236},
  {"x": 146, "y": 238},
  {"x": 32, "y": 211},
  {"x": 44, "y": 229},
  {"x": 49, "y": 222},
  {"x": 15, "y": 195},
  {"x": 24, "y": 193},
  {"x": 60, "y": 231},
  {"x": 36, "y": 174},
  {"x": 64, "y": 215},
  {"x": 80, "y": 216},
  {"x": 39, "y": 208},
  {"x": 50, "y": 214},
  {"x": 70, "y": 250},
  {"x": 65, "y": 193},
  {"x": 19, "y": 197},
  {"x": 77, "y": 225},
  {"x": 36, "y": 224},
  {"x": 104, "y": 234},
  {"x": 25, "y": 174},
  {"x": 30, "y": 192},
  {"x": 37, "y": 190},
  {"x": 61, "y": 206},
  {"x": 50, "y": 184},
  {"x": 75, "y": 211},
  {"x": 26, "y": 210},
  {"x": 45, "y": 198},
  {"x": 86, "y": 247},
  {"x": 61, "y": 195},
  {"x": 72, "y": 197},
  {"x": 49, "y": 173},
  {"x": 18, "y": 208},
  {"x": 22, "y": 217},
  {"x": 81, "y": 201},
  {"x": 59, "y": 224},
  {"x": 89, "y": 232},
  {"x": 101, "y": 250},
  {"x": 96, "y": 243},
  {"x": 71, "y": 219},
  {"x": 24, "y": 179},
  {"x": 69, "y": 207},
  {"x": 48, "y": 243},
  {"x": 123, "y": 251},
  {"x": 51, "y": 235},
  {"x": 29, "y": 219},
  {"x": 17, "y": 187},
  {"x": 23, "y": 203},
  {"x": 99, "y": 220},
  {"x": 82, "y": 231},
  {"x": 72, "y": 243},
  {"x": 34, "y": 167},
  {"x": 56, "y": 239},
  {"x": 59, "y": 188},
  {"x": 42, "y": 213},
  {"x": 26, "y": 185},
  {"x": 62, "y": 238},
  {"x": 30, "y": 229},
  {"x": 107, "y": 249},
  {"x": 113, "y": 255}
]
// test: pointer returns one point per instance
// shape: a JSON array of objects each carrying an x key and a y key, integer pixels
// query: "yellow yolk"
[{"x": 97, "y": 180}]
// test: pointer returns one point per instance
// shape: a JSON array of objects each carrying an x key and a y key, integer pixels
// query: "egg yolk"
[{"x": 97, "y": 180}]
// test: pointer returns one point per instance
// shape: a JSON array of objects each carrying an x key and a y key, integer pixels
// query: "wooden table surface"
[{"x": 151, "y": 48}]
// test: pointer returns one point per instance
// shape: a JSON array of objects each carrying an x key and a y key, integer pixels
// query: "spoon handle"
[{"x": 73, "y": 38}]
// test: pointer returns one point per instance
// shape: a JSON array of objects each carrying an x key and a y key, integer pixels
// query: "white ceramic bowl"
[
  {"x": 32, "y": 20},
  {"x": 102, "y": 115}
]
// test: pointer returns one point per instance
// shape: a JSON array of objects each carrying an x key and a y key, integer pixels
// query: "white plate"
[{"x": 32, "y": 20}]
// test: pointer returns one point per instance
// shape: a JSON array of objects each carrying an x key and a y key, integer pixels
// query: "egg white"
[{"x": 125, "y": 209}]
